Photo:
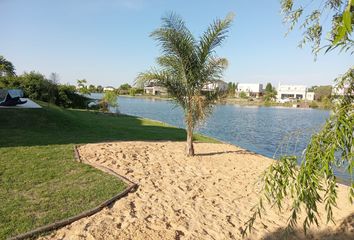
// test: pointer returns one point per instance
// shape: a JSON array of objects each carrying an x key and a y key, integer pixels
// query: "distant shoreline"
[{"x": 236, "y": 101}]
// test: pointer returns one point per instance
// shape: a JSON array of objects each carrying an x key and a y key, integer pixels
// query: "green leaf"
[
  {"x": 347, "y": 21},
  {"x": 341, "y": 33}
]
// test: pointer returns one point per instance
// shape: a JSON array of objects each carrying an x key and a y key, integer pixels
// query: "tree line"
[{"x": 38, "y": 87}]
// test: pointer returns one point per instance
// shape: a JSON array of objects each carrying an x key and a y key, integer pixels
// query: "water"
[{"x": 269, "y": 131}]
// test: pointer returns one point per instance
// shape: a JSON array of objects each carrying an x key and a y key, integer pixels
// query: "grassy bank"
[{"x": 39, "y": 180}]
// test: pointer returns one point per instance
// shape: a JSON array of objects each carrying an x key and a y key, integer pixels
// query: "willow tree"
[
  {"x": 187, "y": 66},
  {"x": 314, "y": 181}
]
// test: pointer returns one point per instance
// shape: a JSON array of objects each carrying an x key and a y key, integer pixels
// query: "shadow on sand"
[
  {"x": 241, "y": 151},
  {"x": 344, "y": 231}
]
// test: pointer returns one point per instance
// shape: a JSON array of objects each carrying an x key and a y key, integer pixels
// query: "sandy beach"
[{"x": 208, "y": 196}]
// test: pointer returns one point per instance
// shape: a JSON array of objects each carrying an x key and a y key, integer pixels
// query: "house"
[
  {"x": 294, "y": 92},
  {"x": 212, "y": 86},
  {"x": 250, "y": 89},
  {"x": 153, "y": 88},
  {"x": 310, "y": 96},
  {"x": 108, "y": 88}
]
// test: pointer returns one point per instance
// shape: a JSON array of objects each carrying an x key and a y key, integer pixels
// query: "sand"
[{"x": 208, "y": 196}]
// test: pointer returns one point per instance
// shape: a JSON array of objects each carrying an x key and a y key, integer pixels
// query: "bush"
[
  {"x": 243, "y": 95},
  {"x": 67, "y": 97},
  {"x": 313, "y": 104}
]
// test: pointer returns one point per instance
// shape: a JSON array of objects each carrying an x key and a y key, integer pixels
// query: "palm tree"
[
  {"x": 187, "y": 66},
  {"x": 6, "y": 67}
]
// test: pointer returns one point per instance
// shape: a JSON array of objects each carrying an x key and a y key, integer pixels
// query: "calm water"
[
  {"x": 269, "y": 131},
  {"x": 265, "y": 130}
]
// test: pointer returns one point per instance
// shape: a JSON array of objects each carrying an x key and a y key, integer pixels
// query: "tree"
[
  {"x": 99, "y": 89},
  {"x": 125, "y": 86},
  {"x": 92, "y": 88},
  {"x": 35, "y": 86},
  {"x": 322, "y": 92},
  {"x": 231, "y": 88},
  {"x": 270, "y": 93},
  {"x": 243, "y": 95},
  {"x": 109, "y": 100},
  {"x": 313, "y": 32},
  {"x": 82, "y": 85},
  {"x": 186, "y": 66},
  {"x": 6, "y": 67},
  {"x": 314, "y": 181}
]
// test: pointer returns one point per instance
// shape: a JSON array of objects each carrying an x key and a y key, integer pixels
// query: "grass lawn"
[{"x": 40, "y": 182}]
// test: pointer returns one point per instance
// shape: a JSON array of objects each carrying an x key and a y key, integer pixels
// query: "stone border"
[{"x": 59, "y": 224}]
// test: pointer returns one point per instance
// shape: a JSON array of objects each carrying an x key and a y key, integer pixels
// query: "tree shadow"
[
  {"x": 344, "y": 231},
  {"x": 241, "y": 151}
]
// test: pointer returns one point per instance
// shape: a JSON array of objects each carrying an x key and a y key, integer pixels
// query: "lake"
[{"x": 269, "y": 131}]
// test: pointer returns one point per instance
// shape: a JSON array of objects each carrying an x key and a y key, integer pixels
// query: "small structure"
[
  {"x": 250, "y": 89},
  {"x": 213, "y": 86},
  {"x": 153, "y": 88},
  {"x": 108, "y": 88}
]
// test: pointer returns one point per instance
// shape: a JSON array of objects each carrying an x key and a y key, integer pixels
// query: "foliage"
[
  {"x": 339, "y": 35},
  {"x": 187, "y": 65},
  {"x": 231, "y": 89},
  {"x": 99, "y": 89},
  {"x": 67, "y": 97},
  {"x": 92, "y": 88},
  {"x": 6, "y": 67},
  {"x": 314, "y": 182},
  {"x": 36, "y": 86},
  {"x": 109, "y": 99},
  {"x": 125, "y": 86},
  {"x": 322, "y": 92},
  {"x": 132, "y": 91},
  {"x": 243, "y": 95},
  {"x": 270, "y": 93},
  {"x": 82, "y": 85}
]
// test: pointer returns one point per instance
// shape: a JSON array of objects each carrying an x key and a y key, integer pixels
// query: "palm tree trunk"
[{"x": 190, "y": 148}]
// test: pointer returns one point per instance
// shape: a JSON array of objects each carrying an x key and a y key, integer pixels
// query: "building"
[
  {"x": 250, "y": 89},
  {"x": 212, "y": 86},
  {"x": 293, "y": 92},
  {"x": 108, "y": 88},
  {"x": 310, "y": 96},
  {"x": 152, "y": 88}
]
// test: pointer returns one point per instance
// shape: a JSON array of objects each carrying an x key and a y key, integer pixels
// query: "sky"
[{"x": 107, "y": 42}]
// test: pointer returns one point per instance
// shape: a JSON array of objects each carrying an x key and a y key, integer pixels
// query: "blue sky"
[{"x": 107, "y": 42}]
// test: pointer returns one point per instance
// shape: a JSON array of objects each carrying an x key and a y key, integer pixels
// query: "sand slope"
[{"x": 205, "y": 197}]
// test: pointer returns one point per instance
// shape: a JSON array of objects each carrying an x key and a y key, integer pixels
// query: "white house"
[
  {"x": 212, "y": 86},
  {"x": 153, "y": 88},
  {"x": 293, "y": 92},
  {"x": 310, "y": 96},
  {"x": 108, "y": 88},
  {"x": 250, "y": 89}
]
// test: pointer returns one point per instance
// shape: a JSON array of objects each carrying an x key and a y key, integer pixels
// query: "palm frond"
[{"x": 214, "y": 36}]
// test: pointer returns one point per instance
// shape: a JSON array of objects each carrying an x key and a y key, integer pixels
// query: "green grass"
[{"x": 40, "y": 182}]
